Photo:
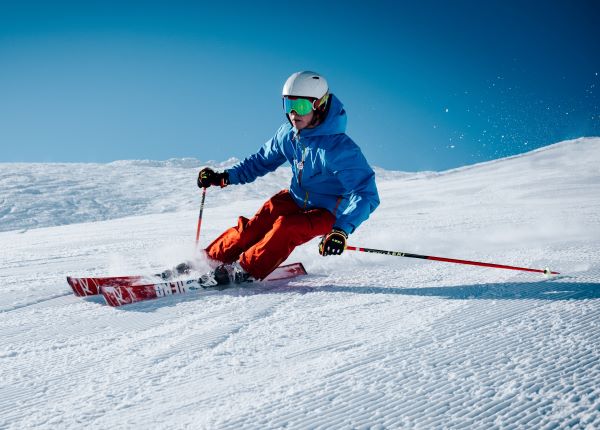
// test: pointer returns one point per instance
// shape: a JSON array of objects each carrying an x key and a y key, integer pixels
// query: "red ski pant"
[{"x": 262, "y": 243}]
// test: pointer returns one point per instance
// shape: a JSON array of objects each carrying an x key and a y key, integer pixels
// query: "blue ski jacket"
[{"x": 329, "y": 169}]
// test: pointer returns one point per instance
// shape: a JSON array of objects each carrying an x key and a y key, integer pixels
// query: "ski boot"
[{"x": 226, "y": 274}]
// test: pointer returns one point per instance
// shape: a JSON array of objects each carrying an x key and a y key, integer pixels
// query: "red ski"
[
  {"x": 91, "y": 286},
  {"x": 118, "y": 295}
]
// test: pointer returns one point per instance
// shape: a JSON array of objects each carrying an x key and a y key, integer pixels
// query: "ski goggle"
[{"x": 299, "y": 105}]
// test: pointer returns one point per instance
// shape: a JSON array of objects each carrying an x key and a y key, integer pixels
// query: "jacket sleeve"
[
  {"x": 266, "y": 160},
  {"x": 360, "y": 197}
]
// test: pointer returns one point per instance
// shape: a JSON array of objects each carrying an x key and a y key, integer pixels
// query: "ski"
[
  {"x": 91, "y": 286},
  {"x": 119, "y": 295}
]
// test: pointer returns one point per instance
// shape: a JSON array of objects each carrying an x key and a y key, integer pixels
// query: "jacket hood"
[{"x": 334, "y": 123}]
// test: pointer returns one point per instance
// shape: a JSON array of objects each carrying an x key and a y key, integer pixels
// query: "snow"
[{"x": 364, "y": 341}]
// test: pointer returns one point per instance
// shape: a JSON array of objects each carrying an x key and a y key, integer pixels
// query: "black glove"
[
  {"x": 208, "y": 177},
  {"x": 333, "y": 243}
]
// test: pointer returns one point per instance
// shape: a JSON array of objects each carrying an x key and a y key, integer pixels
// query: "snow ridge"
[
  {"x": 38, "y": 195},
  {"x": 44, "y": 195}
]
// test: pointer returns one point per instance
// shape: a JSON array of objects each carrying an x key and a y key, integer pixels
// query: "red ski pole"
[
  {"x": 450, "y": 260},
  {"x": 200, "y": 216}
]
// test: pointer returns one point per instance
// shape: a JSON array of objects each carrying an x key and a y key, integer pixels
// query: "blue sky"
[{"x": 427, "y": 85}]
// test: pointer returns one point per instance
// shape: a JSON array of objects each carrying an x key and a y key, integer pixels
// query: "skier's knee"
[{"x": 280, "y": 222}]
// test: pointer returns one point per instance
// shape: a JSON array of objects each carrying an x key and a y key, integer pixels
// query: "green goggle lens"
[{"x": 300, "y": 106}]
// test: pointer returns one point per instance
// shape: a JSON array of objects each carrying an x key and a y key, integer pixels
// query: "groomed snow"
[{"x": 364, "y": 341}]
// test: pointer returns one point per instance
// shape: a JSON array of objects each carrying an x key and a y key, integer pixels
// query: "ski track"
[
  {"x": 423, "y": 376},
  {"x": 362, "y": 342},
  {"x": 139, "y": 323},
  {"x": 488, "y": 408}
]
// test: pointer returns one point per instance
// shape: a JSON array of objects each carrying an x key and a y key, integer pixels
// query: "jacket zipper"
[{"x": 301, "y": 169}]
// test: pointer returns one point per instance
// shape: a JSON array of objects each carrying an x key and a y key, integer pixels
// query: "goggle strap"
[{"x": 321, "y": 101}]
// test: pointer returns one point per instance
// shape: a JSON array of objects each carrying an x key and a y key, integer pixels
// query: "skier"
[{"x": 331, "y": 193}]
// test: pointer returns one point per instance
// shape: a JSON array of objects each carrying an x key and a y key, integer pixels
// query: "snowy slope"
[
  {"x": 364, "y": 341},
  {"x": 43, "y": 195}
]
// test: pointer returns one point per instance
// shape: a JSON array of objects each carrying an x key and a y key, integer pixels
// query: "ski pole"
[
  {"x": 200, "y": 216},
  {"x": 450, "y": 260}
]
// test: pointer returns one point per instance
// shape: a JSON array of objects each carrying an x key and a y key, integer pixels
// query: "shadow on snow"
[
  {"x": 500, "y": 291},
  {"x": 546, "y": 290}
]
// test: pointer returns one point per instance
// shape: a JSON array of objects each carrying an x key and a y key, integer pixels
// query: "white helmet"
[{"x": 305, "y": 84}]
